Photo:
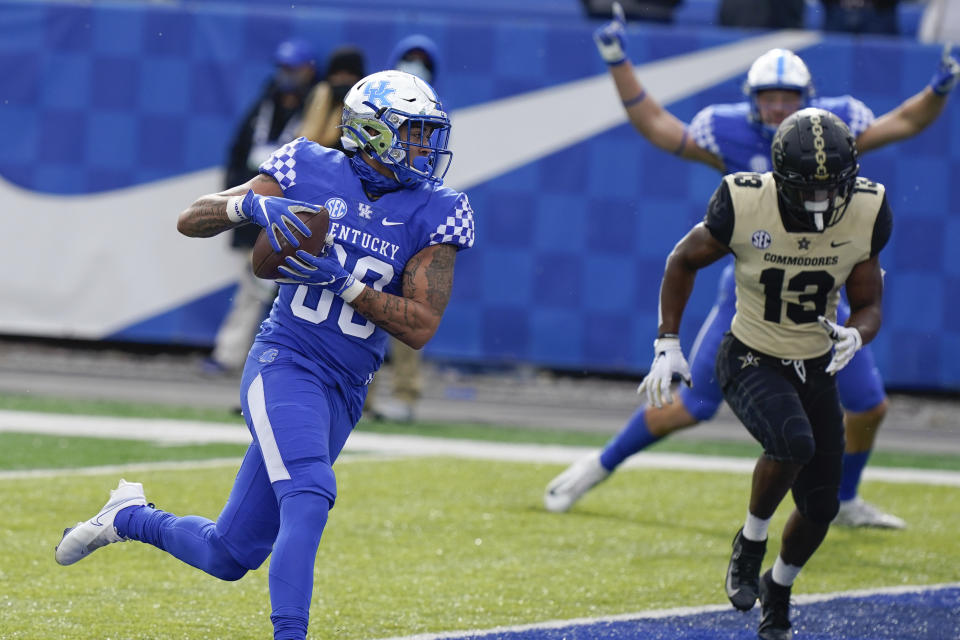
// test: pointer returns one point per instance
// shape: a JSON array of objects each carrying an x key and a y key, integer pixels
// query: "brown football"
[{"x": 265, "y": 260}]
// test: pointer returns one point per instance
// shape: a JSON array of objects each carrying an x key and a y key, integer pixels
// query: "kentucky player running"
[
  {"x": 395, "y": 233},
  {"x": 737, "y": 137}
]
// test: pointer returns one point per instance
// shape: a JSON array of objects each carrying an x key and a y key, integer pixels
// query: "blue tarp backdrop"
[{"x": 570, "y": 248}]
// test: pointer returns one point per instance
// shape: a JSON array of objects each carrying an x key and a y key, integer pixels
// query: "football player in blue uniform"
[
  {"x": 731, "y": 138},
  {"x": 393, "y": 239}
]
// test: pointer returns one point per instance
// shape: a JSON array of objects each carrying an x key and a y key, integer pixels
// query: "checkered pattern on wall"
[{"x": 569, "y": 250}]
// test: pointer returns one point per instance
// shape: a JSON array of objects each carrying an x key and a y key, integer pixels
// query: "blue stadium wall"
[{"x": 570, "y": 248}]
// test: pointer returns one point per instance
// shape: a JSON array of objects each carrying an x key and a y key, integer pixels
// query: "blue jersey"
[
  {"x": 373, "y": 240},
  {"x": 743, "y": 144}
]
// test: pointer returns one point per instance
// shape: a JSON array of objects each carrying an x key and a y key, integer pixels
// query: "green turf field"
[{"x": 418, "y": 545}]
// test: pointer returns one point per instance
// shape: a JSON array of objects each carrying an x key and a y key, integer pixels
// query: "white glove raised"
[
  {"x": 846, "y": 342},
  {"x": 668, "y": 364},
  {"x": 611, "y": 38}
]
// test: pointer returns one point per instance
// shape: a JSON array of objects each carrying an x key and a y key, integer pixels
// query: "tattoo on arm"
[{"x": 414, "y": 316}]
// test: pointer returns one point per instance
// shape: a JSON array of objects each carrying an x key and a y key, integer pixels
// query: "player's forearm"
[
  {"x": 675, "y": 291},
  {"x": 412, "y": 322},
  {"x": 206, "y": 217},
  {"x": 910, "y": 118},
  {"x": 867, "y": 321},
  {"x": 647, "y": 116}
]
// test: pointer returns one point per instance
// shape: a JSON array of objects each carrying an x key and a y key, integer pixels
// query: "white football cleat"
[
  {"x": 86, "y": 537},
  {"x": 857, "y": 513},
  {"x": 568, "y": 487}
]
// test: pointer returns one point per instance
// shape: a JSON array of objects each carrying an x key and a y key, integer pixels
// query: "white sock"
[
  {"x": 784, "y": 574},
  {"x": 755, "y": 529}
]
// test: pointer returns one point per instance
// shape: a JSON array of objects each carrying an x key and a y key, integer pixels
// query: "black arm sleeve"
[
  {"x": 719, "y": 218},
  {"x": 882, "y": 228}
]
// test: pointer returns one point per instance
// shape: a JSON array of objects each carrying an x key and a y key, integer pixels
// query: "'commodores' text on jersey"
[
  {"x": 373, "y": 240},
  {"x": 787, "y": 277}
]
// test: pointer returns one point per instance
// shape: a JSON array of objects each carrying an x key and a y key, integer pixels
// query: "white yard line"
[
  {"x": 671, "y": 613},
  {"x": 187, "y": 432}
]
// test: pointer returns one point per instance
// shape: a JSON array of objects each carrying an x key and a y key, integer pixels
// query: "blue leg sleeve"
[
  {"x": 192, "y": 539},
  {"x": 302, "y": 517},
  {"x": 853, "y": 464},
  {"x": 634, "y": 437}
]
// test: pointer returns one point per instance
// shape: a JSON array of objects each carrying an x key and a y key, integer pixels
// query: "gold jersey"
[{"x": 785, "y": 279}]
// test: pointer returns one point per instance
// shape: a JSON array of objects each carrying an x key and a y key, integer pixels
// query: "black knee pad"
[
  {"x": 800, "y": 445},
  {"x": 819, "y": 505}
]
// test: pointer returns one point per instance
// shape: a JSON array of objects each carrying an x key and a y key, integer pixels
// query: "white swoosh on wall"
[{"x": 86, "y": 266}]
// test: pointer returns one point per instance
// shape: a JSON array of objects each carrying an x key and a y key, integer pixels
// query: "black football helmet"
[{"x": 815, "y": 167}]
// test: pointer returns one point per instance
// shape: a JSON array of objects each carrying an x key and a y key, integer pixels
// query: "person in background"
[
  {"x": 761, "y": 14},
  {"x": 731, "y": 138},
  {"x": 321, "y": 121},
  {"x": 861, "y": 16},
  {"x": 416, "y": 54},
  {"x": 272, "y": 121},
  {"x": 940, "y": 22}
]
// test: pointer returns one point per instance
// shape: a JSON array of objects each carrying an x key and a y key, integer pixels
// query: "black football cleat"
[
  {"x": 775, "y": 610},
  {"x": 743, "y": 573}
]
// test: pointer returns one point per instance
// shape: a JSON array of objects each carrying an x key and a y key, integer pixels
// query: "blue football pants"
[{"x": 282, "y": 492}]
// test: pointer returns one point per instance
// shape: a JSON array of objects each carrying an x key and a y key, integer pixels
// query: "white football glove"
[
  {"x": 846, "y": 342},
  {"x": 611, "y": 38},
  {"x": 667, "y": 364}
]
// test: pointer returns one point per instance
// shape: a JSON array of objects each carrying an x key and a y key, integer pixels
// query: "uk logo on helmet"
[{"x": 378, "y": 93}]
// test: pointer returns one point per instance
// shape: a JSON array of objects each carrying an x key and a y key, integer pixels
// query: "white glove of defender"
[
  {"x": 667, "y": 363},
  {"x": 846, "y": 342}
]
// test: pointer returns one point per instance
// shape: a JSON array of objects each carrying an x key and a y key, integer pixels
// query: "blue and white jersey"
[
  {"x": 743, "y": 144},
  {"x": 373, "y": 240}
]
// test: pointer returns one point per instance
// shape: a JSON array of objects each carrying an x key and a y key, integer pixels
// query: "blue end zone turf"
[{"x": 920, "y": 615}]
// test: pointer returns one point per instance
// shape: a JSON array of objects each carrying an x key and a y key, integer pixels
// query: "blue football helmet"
[
  {"x": 397, "y": 118},
  {"x": 778, "y": 69}
]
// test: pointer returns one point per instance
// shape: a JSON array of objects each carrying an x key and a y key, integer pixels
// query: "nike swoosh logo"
[
  {"x": 835, "y": 244},
  {"x": 116, "y": 507},
  {"x": 388, "y": 223}
]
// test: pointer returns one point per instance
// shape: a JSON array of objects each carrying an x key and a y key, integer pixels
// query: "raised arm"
[
  {"x": 917, "y": 112},
  {"x": 656, "y": 124}
]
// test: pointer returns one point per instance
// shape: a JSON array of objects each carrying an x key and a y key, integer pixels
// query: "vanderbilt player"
[{"x": 798, "y": 234}]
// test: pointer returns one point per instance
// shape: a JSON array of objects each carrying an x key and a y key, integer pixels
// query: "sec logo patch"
[
  {"x": 760, "y": 239},
  {"x": 337, "y": 208}
]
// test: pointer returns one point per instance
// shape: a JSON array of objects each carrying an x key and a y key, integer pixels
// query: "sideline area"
[{"x": 187, "y": 432}]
